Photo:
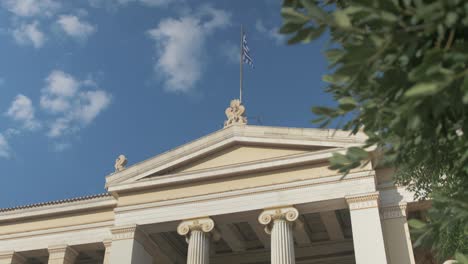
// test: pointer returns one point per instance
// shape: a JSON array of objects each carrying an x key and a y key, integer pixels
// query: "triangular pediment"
[
  {"x": 241, "y": 154},
  {"x": 236, "y": 148}
]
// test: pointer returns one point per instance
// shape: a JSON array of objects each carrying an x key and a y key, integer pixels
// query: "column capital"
[
  {"x": 62, "y": 253},
  {"x": 127, "y": 232},
  {"x": 11, "y": 257},
  {"x": 204, "y": 224},
  {"x": 268, "y": 216},
  {"x": 394, "y": 211},
  {"x": 363, "y": 201},
  {"x": 107, "y": 243}
]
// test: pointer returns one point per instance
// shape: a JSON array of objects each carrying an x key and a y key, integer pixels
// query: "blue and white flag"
[{"x": 246, "y": 58}]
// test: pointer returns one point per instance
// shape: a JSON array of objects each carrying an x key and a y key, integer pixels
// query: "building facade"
[{"x": 243, "y": 194}]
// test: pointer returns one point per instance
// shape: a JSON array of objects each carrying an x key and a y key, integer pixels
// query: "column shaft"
[
  {"x": 279, "y": 223},
  {"x": 199, "y": 248},
  {"x": 198, "y": 233},
  {"x": 282, "y": 243}
]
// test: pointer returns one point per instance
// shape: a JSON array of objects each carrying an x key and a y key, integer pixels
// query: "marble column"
[
  {"x": 62, "y": 254},
  {"x": 198, "y": 233},
  {"x": 396, "y": 235},
  {"x": 368, "y": 241},
  {"x": 11, "y": 257},
  {"x": 279, "y": 223}
]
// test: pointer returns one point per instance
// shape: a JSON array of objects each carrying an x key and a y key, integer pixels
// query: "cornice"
[
  {"x": 355, "y": 176},
  {"x": 241, "y": 134},
  {"x": 59, "y": 207},
  {"x": 59, "y": 230},
  {"x": 216, "y": 173},
  {"x": 363, "y": 201}
]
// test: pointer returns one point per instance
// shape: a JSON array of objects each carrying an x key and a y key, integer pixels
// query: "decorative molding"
[
  {"x": 252, "y": 191},
  {"x": 269, "y": 216},
  {"x": 58, "y": 207},
  {"x": 126, "y": 232},
  {"x": 363, "y": 201},
  {"x": 396, "y": 211},
  {"x": 237, "y": 134},
  {"x": 59, "y": 230},
  {"x": 204, "y": 224},
  {"x": 217, "y": 173}
]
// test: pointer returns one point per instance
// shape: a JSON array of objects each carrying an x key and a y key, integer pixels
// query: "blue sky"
[{"x": 84, "y": 81}]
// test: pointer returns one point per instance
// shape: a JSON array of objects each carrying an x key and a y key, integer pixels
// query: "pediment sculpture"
[
  {"x": 235, "y": 113},
  {"x": 120, "y": 163}
]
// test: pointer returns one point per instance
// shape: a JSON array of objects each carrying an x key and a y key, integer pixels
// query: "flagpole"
[{"x": 241, "y": 62}]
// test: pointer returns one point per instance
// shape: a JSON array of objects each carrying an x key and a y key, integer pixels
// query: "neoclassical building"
[{"x": 243, "y": 194}]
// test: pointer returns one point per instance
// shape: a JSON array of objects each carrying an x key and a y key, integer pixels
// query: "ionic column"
[
  {"x": 11, "y": 257},
  {"x": 369, "y": 246},
  {"x": 396, "y": 235},
  {"x": 198, "y": 233},
  {"x": 279, "y": 223},
  {"x": 62, "y": 254}
]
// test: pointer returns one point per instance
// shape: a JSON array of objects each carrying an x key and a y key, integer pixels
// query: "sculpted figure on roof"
[
  {"x": 235, "y": 113},
  {"x": 120, "y": 163}
]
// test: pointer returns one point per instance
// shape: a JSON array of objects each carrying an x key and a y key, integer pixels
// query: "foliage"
[
  {"x": 447, "y": 232},
  {"x": 398, "y": 72}
]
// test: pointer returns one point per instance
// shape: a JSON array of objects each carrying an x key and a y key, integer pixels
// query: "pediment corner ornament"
[
  {"x": 235, "y": 114},
  {"x": 120, "y": 163}
]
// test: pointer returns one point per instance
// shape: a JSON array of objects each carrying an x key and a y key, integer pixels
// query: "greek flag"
[{"x": 245, "y": 52}]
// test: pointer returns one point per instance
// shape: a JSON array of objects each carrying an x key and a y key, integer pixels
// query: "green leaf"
[
  {"x": 417, "y": 224},
  {"x": 313, "y": 10},
  {"x": 290, "y": 28},
  {"x": 341, "y": 19},
  {"x": 461, "y": 258},
  {"x": 347, "y": 103},
  {"x": 451, "y": 19},
  {"x": 357, "y": 154},
  {"x": 290, "y": 15},
  {"x": 422, "y": 89}
]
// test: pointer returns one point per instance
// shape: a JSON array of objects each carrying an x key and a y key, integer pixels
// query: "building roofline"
[{"x": 58, "y": 206}]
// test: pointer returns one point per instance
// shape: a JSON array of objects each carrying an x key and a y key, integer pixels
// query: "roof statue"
[
  {"x": 120, "y": 163},
  {"x": 235, "y": 113}
]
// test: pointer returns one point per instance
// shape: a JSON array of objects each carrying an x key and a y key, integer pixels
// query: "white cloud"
[
  {"x": 231, "y": 52},
  {"x": 22, "y": 110},
  {"x": 271, "y": 33},
  {"x": 115, "y": 3},
  {"x": 60, "y": 87},
  {"x": 91, "y": 104},
  {"x": 180, "y": 46},
  {"x": 73, "y": 107},
  {"x": 29, "y": 8},
  {"x": 4, "y": 147},
  {"x": 29, "y": 34},
  {"x": 74, "y": 27}
]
